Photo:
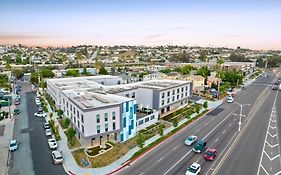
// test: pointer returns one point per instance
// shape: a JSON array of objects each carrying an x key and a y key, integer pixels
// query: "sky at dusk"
[{"x": 246, "y": 23}]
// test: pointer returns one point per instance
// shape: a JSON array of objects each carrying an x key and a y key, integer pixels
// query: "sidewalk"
[{"x": 8, "y": 126}]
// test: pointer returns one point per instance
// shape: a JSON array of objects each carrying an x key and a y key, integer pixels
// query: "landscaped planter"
[{"x": 97, "y": 150}]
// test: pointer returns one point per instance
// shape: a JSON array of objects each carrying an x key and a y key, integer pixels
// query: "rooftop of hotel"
[{"x": 90, "y": 100}]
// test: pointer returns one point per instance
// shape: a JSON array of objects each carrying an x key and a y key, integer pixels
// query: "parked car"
[
  {"x": 40, "y": 109},
  {"x": 17, "y": 102},
  {"x": 57, "y": 157},
  {"x": 46, "y": 126},
  {"x": 48, "y": 132},
  {"x": 243, "y": 88},
  {"x": 229, "y": 99},
  {"x": 274, "y": 87},
  {"x": 16, "y": 111},
  {"x": 199, "y": 146},
  {"x": 52, "y": 143},
  {"x": 13, "y": 145},
  {"x": 210, "y": 154},
  {"x": 40, "y": 114},
  {"x": 190, "y": 140},
  {"x": 193, "y": 169}
]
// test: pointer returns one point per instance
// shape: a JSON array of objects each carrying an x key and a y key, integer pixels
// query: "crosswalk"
[{"x": 261, "y": 84}]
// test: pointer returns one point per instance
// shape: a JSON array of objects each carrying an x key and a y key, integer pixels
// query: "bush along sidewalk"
[
  {"x": 54, "y": 129},
  {"x": 163, "y": 138}
]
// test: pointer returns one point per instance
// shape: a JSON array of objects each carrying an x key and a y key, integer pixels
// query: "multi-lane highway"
[{"x": 220, "y": 129}]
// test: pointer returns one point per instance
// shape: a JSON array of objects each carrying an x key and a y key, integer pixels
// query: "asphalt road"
[
  {"x": 219, "y": 130},
  {"x": 38, "y": 159}
]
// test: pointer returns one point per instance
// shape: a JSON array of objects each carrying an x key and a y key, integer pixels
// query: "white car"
[
  {"x": 40, "y": 114},
  {"x": 57, "y": 157},
  {"x": 190, "y": 140},
  {"x": 48, "y": 132},
  {"x": 52, "y": 143},
  {"x": 13, "y": 145},
  {"x": 229, "y": 99},
  {"x": 194, "y": 169}
]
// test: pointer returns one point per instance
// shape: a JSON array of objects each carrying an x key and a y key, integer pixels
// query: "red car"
[
  {"x": 17, "y": 102},
  {"x": 210, "y": 154}
]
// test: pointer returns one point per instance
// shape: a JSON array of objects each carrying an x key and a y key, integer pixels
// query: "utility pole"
[{"x": 240, "y": 115}]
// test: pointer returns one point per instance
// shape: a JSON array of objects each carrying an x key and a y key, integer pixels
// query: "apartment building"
[{"x": 99, "y": 117}]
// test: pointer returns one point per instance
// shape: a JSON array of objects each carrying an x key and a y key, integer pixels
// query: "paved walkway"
[{"x": 4, "y": 144}]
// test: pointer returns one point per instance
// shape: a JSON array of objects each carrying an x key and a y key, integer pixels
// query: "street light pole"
[{"x": 240, "y": 115}]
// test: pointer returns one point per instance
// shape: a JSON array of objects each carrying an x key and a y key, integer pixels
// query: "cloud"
[
  {"x": 179, "y": 28},
  {"x": 153, "y": 36}
]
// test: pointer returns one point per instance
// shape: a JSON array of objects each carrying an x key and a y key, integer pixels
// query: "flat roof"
[{"x": 90, "y": 100}]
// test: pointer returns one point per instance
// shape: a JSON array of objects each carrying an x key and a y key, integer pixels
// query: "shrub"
[
  {"x": 205, "y": 105},
  {"x": 70, "y": 133},
  {"x": 140, "y": 140},
  {"x": 175, "y": 122},
  {"x": 161, "y": 130},
  {"x": 66, "y": 122}
]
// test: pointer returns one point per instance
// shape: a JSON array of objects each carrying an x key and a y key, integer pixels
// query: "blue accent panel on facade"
[
  {"x": 121, "y": 137},
  {"x": 127, "y": 106},
  {"x": 131, "y": 112},
  {"x": 130, "y": 130},
  {"x": 132, "y": 124},
  {"x": 124, "y": 122},
  {"x": 135, "y": 108}
]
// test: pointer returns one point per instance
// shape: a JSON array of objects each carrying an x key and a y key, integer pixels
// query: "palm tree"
[
  {"x": 79, "y": 57},
  {"x": 64, "y": 58},
  {"x": 219, "y": 63}
]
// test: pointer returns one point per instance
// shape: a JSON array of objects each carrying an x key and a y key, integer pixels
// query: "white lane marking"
[
  {"x": 267, "y": 133},
  {"x": 272, "y": 135},
  {"x": 216, "y": 139},
  {"x": 175, "y": 148},
  {"x": 234, "y": 119},
  {"x": 191, "y": 150},
  {"x": 229, "y": 124},
  {"x": 206, "y": 124},
  {"x": 141, "y": 173},
  {"x": 159, "y": 159},
  {"x": 223, "y": 132}
]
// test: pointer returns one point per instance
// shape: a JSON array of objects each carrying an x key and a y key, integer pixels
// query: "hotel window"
[
  {"x": 162, "y": 102},
  {"x": 74, "y": 110},
  {"x": 173, "y": 92},
  {"x": 74, "y": 119},
  {"x": 140, "y": 122},
  {"x": 152, "y": 117},
  {"x": 133, "y": 95},
  {"x": 98, "y": 118},
  {"x": 78, "y": 116},
  {"x": 163, "y": 95},
  {"x": 71, "y": 116},
  {"x": 63, "y": 102},
  {"x": 106, "y": 127},
  {"x": 82, "y": 118},
  {"x": 67, "y": 105},
  {"x": 127, "y": 95},
  {"x": 113, "y": 116},
  {"x": 182, "y": 95},
  {"x": 168, "y": 100},
  {"x": 178, "y": 90},
  {"x": 168, "y": 93},
  {"x": 98, "y": 129},
  {"x": 70, "y": 107},
  {"x": 146, "y": 119},
  {"x": 113, "y": 126},
  {"x": 186, "y": 88},
  {"x": 78, "y": 124},
  {"x": 186, "y": 94},
  {"x": 105, "y": 117},
  {"x": 182, "y": 89},
  {"x": 178, "y": 96},
  {"x": 82, "y": 129},
  {"x": 173, "y": 98}
]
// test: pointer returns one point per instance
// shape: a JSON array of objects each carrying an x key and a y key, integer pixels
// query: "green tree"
[
  {"x": 160, "y": 129},
  {"x": 175, "y": 122},
  {"x": 66, "y": 122},
  {"x": 197, "y": 109},
  {"x": 47, "y": 73},
  {"x": 70, "y": 133},
  {"x": 204, "y": 72},
  {"x": 51, "y": 115},
  {"x": 79, "y": 57},
  {"x": 59, "y": 112},
  {"x": 134, "y": 74},
  {"x": 165, "y": 71},
  {"x": 205, "y": 105},
  {"x": 142, "y": 74},
  {"x": 140, "y": 140},
  {"x": 18, "y": 73},
  {"x": 18, "y": 59},
  {"x": 34, "y": 78},
  {"x": 202, "y": 56},
  {"x": 72, "y": 73},
  {"x": 103, "y": 71}
]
